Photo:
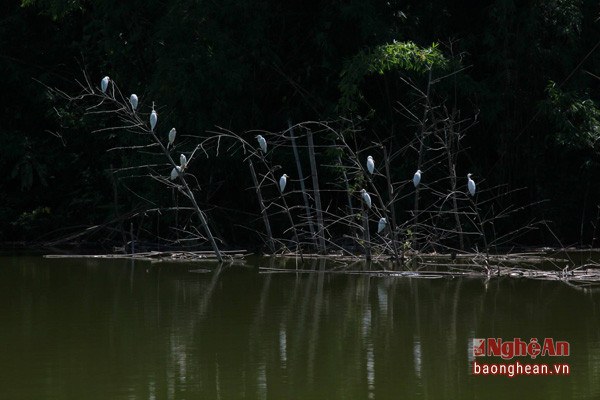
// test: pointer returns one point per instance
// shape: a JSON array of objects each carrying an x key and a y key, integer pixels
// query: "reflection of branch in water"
[
  {"x": 258, "y": 327},
  {"x": 299, "y": 330},
  {"x": 314, "y": 332},
  {"x": 367, "y": 336},
  {"x": 454, "y": 319},
  {"x": 205, "y": 301}
]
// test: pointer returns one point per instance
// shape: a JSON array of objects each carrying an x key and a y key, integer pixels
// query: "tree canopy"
[{"x": 530, "y": 71}]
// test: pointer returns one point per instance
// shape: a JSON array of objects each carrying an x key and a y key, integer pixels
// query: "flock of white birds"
[
  {"x": 133, "y": 100},
  {"x": 262, "y": 143}
]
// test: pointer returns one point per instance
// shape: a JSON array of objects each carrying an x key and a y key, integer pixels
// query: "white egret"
[
  {"x": 104, "y": 84},
  {"x": 183, "y": 161},
  {"x": 471, "y": 185},
  {"x": 283, "y": 182},
  {"x": 370, "y": 164},
  {"x": 366, "y": 197},
  {"x": 262, "y": 143},
  {"x": 175, "y": 172},
  {"x": 153, "y": 119},
  {"x": 417, "y": 178},
  {"x": 381, "y": 225},
  {"x": 172, "y": 134},
  {"x": 133, "y": 99}
]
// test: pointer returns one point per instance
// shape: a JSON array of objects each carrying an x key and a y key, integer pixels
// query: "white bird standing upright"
[
  {"x": 262, "y": 143},
  {"x": 104, "y": 84},
  {"x": 381, "y": 225},
  {"x": 153, "y": 119},
  {"x": 172, "y": 134},
  {"x": 370, "y": 164},
  {"x": 175, "y": 172},
  {"x": 471, "y": 185},
  {"x": 366, "y": 197},
  {"x": 183, "y": 161},
  {"x": 417, "y": 178},
  {"x": 133, "y": 99},
  {"x": 283, "y": 182}
]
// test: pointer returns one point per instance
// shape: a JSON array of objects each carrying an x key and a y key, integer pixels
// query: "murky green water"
[{"x": 87, "y": 329}]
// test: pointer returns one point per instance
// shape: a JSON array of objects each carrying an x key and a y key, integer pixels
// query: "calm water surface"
[{"x": 106, "y": 329}]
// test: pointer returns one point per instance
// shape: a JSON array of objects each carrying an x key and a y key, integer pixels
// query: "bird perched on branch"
[
  {"x": 262, "y": 143},
  {"x": 133, "y": 99},
  {"x": 366, "y": 197},
  {"x": 370, "y": 165},
  {"x": 172, "y": 134},
  {"x": 283, "y": 182},
  {"x": 381, "y": 225},
  {"x": 471, "y": 185},
  {"x": 153, "y": 119},
  {"x": 175, "y": 172},
  {"x": 104, "y": 84},
  {"x": 417, "y": 178}
]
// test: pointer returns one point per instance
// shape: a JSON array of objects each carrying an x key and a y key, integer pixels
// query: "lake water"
[{"x": 110, "y": 329}]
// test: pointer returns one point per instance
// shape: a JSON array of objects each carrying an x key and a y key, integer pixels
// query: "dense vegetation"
[{"x": 528, "y": 71}]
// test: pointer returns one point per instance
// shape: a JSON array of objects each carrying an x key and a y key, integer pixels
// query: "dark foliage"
[{"x": 529, "y": 70}]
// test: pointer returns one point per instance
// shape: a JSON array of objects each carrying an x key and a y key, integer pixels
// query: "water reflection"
[{"x": 109, "y": 329}]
